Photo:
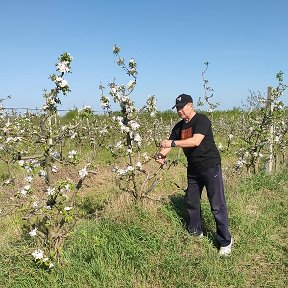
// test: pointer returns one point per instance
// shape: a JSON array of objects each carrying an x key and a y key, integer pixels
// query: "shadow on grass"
[{"x": 179, "y": 205}]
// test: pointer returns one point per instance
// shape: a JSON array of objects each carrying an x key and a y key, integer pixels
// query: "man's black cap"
[{"x": 182, "y": 100}]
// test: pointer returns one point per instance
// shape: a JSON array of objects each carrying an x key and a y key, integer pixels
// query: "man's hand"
[
  {"x": 161, "y": 161},
  {"x": 160, "y": 158},
  {"x": 166, "y": 144}
]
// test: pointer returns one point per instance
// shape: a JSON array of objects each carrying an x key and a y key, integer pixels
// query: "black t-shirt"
[{"x": 205, "y": 155}]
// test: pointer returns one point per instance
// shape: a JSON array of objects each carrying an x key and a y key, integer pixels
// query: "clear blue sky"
[{"x": 245, "y": 43}]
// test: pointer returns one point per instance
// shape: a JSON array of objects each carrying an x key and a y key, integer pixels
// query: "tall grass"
[{"x": 148, "y": 246}]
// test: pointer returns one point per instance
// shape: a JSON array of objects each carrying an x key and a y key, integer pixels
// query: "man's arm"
[{"x": 186, "y": 143}]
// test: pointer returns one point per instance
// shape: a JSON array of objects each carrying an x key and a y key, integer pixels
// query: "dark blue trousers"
[{"x": 212, "y": 180}]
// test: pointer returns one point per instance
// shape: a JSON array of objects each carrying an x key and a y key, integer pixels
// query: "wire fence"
[{"x": 27, "y": 110}]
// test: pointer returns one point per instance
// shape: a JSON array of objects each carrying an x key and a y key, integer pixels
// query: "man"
[{"x": 194, "y": 135}]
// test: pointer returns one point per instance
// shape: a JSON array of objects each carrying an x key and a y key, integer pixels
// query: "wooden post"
[{"x": 270, "y": 108}]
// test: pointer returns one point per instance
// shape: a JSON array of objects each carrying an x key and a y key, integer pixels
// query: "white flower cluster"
[
  {"x": 245, "y": 157},
  {"x": 220, "y": 147},
  {"x": 42, "y": 173},
  {"x": 118, "y": 145},
  {"x": 63, "y": 67},
  {"x": 28, "y": 178},
  {"x": 122, "y": 172},
  {"x": 68, "y": 208},
  {"x": 73, "y": 134},
  {"x": 138, "y": 165},
  {"x": 131, "y": 128},
  {"x": 83, "y": 173},
  {"x": 61, "y": 82},
  {"x": 105, "y": 102},
  {"x": 151, "y": 105},
  {"x": 133, "y": 125},
  {"x": 131, "y": 84},
  {"x": 50, "y": 191},
  {"x": 55, "y": 155},
  {"x": 25, "y": 190},
  {"x": 277, "y": 138},
  {"x": 103, "y": 130},
  {"x": 136, "y": 138},
  {"x": 54, "y": 169},
  {"x": 33, "y": 232},
  {"x": 52, "y": 98},
  {"x": 39, "y": 256},
  {"x": 119, "y": 120},
  {"x": 132, "y": 67},
  {"x": 64, "y": 63},
  {"x": 120, "y": 96},
  {"x": 72, "y": 154},
  {"x": 66, "y": 188}
]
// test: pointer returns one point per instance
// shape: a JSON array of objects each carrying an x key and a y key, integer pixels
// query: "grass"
[{"x": 148, "y": 246}]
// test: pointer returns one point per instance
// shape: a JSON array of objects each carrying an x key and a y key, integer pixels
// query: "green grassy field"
[{"x": 148, "y": 245}]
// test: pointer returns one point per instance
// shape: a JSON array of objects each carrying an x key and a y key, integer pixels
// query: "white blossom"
[
  {"x": 220, "y": 146},
  {"x": 105, "y": 102},
  {"x": 103, "y": 131},
  {"x": 42, "y": 173},
  {"x": 38, "y": 254},
  {"x": 61, "y": 82},
  {"x": 35, "y": 204},
  {"x": 50, "y": 191},
  {"x": 62, "y": 67},
  {"x": 55, "y": 154},
  {"x": 33, "y": 232},
  {"x": 119, "y": 145},
  {"x": 25, "y": 190},
  {"x": 28, "y": 168},
  {"x": 74, "y": 134},
  {"x": 28, "y": 179},
  {"x": 83, "y": 173},
  {"x": 68, "y": 208},
  {"x": 239, "y": 163},
  {"x": 138, "y": 165},
  {"x": 134, "y": 125},
  {"x": 130, "y": 168},
  {"x": 72, "y": 154},
  {"x": 67, "y": 187},
  {"x": 124, "y": 128},
  {"x": 132, "y": 62},
  {"x": 119, "y": 171},
  {"x": 137, "y": 138},
  {"x": 27, "y": 187},
  {"x": 131, "y": 84},
  {"x": 277, "y": 139},
  {"x": 54, "y": 169}
]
